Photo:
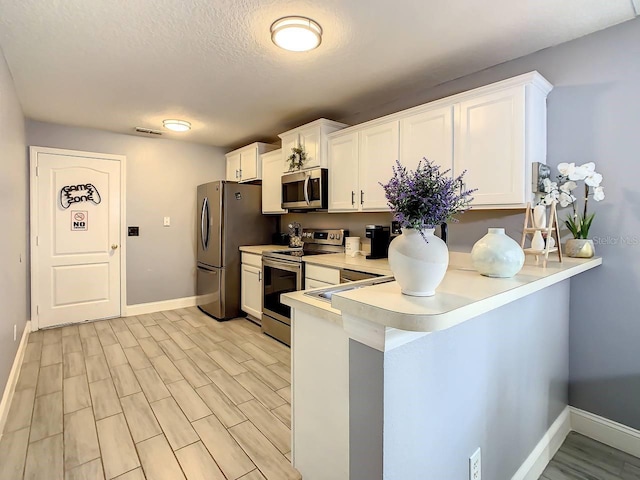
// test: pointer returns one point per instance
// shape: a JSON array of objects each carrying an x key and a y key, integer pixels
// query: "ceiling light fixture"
[
  {"x": 177, "y": 125},
  {"x": 297, "y": 34}
]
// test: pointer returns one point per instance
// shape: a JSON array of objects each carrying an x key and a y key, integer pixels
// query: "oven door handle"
[
  {"x": 306, "y": 189},
  {"x": 288, "y": 266}
]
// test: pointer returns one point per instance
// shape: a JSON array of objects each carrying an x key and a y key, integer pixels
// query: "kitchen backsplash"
[{"x": 462, "y": 235}]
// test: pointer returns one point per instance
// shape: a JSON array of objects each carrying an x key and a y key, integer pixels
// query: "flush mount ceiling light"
[
  {"x": 297, "y": 34},
  {"x": 177, "y": 125}
]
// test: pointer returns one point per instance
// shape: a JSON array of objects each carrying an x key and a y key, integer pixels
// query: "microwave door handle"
[{"x": 306, "y": 189}]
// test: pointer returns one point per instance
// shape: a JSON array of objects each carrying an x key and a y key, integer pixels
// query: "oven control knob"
[
  {"x": 337, "y": 236},
  {"x": 331, "y": 236}
]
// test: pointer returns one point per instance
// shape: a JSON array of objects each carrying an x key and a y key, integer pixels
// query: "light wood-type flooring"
[
  {"x": 582, "y": 458},
  {"x": 169, "y": 395}
]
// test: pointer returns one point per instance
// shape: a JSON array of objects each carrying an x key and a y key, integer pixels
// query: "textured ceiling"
[{"x": 117, "y": 64}]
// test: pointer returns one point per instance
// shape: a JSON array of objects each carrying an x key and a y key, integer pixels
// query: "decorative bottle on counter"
[
  {"x": 537, "y": 242},
  {"x": 497, "y": 255}
]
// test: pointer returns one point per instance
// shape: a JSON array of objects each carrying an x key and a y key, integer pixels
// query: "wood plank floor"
[
  {"x": 170, "y": 395},
  {"x": 582, "y": 458}
]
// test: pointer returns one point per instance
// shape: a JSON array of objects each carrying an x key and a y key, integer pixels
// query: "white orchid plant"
[{"x": 562, "y": 192}]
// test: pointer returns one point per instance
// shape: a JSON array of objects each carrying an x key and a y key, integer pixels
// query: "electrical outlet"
[
  {"x": 167, "y": 221},
  {"x": 15, "y": 332},
  {"x": 475, "y": 465}
]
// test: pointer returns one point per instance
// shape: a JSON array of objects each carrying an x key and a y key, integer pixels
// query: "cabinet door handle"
[
  {"x": 240, "y": 173},
  {"x": 353, "y": 197},
  {"x": 260, "y": 276},
  {"x": 361, "y": 197},
  {"x": 236, "y": 173}
]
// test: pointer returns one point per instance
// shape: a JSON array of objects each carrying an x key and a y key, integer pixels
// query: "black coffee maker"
[{"x": 379, "y": 236}]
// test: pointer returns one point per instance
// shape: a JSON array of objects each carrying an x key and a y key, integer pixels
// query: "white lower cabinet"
[
  {"x": 251, "y": 285},
  {"x": 319, "y": 276},
  {"x": 310, "y": 283}
]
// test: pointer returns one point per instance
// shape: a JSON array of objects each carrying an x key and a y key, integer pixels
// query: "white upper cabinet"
[
  {"x": 313, "y": 137},
  {"x": 271, "y": 182},
  {"x": 495, "y": 133},
  {"x": 244, "y": 165},
  {"x": 359, "y": 160},
  {"x": 500, "y": 135},
  {"x": 427, "y": 134},
  {"x": 233, "y": 167},
  {"x": 344, "y": 192},
  {"x": 378, "y": 152}
]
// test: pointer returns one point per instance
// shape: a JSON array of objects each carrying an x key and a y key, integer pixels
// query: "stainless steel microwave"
[{"x": 306, "y": 190}]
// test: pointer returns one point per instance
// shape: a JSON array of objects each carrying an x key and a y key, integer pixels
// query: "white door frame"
[{"x": 33, "y": 222}]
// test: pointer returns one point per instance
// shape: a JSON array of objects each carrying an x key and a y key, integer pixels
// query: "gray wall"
[
  {"x": 593, "y": 115},
  {"x": 496, "y": 382},
  {"x": 162, "y": 176},
  {"x": 13, "y": 218}
]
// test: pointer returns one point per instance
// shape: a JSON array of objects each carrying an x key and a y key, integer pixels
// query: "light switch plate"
[{"x": 167, "y": 221}]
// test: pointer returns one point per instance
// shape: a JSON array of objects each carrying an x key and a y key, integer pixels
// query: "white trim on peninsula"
[{"x": 463, "y": 294}]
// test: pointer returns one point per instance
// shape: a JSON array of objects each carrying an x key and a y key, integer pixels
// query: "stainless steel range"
[{"x": 283, "y": 272}]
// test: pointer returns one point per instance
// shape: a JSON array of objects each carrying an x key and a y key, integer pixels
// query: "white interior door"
[{"x": 76, "y": 225}]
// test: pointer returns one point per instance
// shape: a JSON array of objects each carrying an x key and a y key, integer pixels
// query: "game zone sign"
[{"x": 79, "y": 220}]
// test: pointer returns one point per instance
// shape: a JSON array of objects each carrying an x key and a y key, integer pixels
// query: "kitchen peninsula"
[{"x": 397, "y": 387}]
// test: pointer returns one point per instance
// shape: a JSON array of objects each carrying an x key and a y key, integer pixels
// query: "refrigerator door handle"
[{"x": 204, "y": 224}]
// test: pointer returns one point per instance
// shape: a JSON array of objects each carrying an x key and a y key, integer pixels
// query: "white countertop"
[
  {"x": 359, "y": 263},
  {"x": 260, "y": 249},
  {"x": 463, "y": 294}
]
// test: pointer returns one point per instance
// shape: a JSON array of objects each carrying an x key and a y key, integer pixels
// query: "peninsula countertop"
[{"x": 462, "y": 295}]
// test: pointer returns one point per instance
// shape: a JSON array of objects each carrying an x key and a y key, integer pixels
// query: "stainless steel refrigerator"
[{"x": 229, "y": 215}]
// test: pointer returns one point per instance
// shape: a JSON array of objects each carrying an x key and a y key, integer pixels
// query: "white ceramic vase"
[
  {"x": 497, "y": 255},
  {"x": 419, "y": 261},
  {"x": 540, "y": 216}
]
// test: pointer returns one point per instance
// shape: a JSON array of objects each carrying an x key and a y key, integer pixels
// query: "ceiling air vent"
[{"x": 148, "y": 131}]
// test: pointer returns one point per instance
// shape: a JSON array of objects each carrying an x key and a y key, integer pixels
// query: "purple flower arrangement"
[{"x": 426, "y": 197}]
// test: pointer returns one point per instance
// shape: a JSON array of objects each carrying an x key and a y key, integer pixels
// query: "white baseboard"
[
  {"x": 143, "y": 308},
  {"x": 546, "y": 448},
  {"x": 606, "y": 431},
  {"x": 603, "y": 430},
  {"x": 10, "y": 388}
]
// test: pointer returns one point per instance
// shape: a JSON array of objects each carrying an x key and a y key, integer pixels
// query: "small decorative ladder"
[{"x": 552, "y": 228}]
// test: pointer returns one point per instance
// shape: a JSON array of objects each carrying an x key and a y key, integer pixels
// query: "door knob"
[{"x": 114, "y": 246}]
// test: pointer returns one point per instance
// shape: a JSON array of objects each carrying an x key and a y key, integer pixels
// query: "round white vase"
[
  {"x": 419, "y": 261},
  {"x": 497, "y": 255}
]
